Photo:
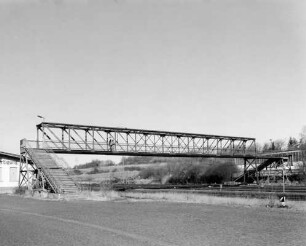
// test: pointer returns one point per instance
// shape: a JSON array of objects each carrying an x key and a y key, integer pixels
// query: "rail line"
[{"x": 297, "y": 193}]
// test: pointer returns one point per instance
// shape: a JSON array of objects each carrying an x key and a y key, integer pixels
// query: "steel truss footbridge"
[
  {"x": 83, "y": 139},
  {"x": 60, "y": 138}
]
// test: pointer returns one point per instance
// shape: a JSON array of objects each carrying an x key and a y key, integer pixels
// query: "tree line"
[{"x": 281, "y": 144}]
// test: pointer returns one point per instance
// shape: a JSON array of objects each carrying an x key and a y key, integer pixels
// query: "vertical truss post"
[
  {"x": 20, "y": 177},
  {"x": 135, "y": 143},
  {"x": 37, "y": 137},
  {"x": 86, "y": 143},
  {"x": 244, "y": 169},
  {"x": 63, "y": 138},
  {"x": 257, "y": 173},
  {"x": 28, "y": 172},
  {"x": 127, "y": 142},
  {"x": 69, "y": 139},
  {"x": 43, "y": 135},
  {"x": 188, "y": 143},
  {"x": 163, "y": 144},
  {"x": 217, "y": 146},
  {"x": 93, "y": 139},
  {"x": 145, "y": 140},
  {"x": 193, "y": 145},
  {"x": 107, "y": 141},
  {"x": 154, "y": 143}
]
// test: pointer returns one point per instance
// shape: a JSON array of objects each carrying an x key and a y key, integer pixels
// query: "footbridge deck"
[
  {"x": 85, "y": 139},
  {"x": 38, "y": 159}
]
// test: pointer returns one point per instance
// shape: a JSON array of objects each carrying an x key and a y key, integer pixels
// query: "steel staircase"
[
  {"x": 50, "y": 168},
  {"x": 251, "y": 173}
]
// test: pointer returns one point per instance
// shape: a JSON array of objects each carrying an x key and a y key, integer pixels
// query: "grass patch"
[
  {"x": 270, "y": 202},
  {"x": 103, "y": 195},
  {"x": 20, "y": 190}
]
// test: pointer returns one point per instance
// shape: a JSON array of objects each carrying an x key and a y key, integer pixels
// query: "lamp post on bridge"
[
  {"x": 43, "y": 131},
  {"x": 41, "y": 117}
]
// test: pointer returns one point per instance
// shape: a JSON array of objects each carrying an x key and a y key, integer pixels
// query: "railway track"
[
  {"x": 251, "y": 188},
  {"x": 297, "y": 193},
  {"x": 246, "y": 191}
]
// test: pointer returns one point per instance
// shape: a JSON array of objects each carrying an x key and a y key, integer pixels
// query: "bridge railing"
[
  {"x": 28, "y": 147},
  {"x": 295, "y": 155},
  {"x": 118, "y": 148}
]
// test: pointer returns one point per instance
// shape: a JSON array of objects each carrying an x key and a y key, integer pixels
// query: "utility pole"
[{"x": 283, "y": 177}]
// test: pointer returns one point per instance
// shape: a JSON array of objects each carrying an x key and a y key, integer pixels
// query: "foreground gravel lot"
[{"x": 26, "y": 221}]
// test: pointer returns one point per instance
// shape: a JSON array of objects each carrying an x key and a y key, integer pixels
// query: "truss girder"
[
  {"x": 26, "y": 172},
  {"x": 84, "y": 139},
  {"x": 292, "y": 155},
  {"x": 255, "y": 167}
]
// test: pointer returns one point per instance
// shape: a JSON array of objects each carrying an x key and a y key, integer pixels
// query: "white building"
[{"x": 9, "y": 172}]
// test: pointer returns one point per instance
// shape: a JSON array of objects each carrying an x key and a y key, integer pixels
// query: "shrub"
[
  {"x": 186, "y": 173},
  {"x": 191, "y": 172},
  {"x": 77, "y": 172},
  {"x": 95, "y": 163},
  {"x": 95, "y": 170},
  {"x": 220, "y": 172},
  {"x": 153, "y": 172},
  {"x": 135, "y": 160},
  {"x": 20, "y": 190}
]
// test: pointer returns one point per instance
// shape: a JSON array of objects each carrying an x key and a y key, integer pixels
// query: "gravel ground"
[{"x": 26, "y": 221}]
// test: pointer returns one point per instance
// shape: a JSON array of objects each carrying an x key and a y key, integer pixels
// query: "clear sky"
[{"x": 227, "y": 67}]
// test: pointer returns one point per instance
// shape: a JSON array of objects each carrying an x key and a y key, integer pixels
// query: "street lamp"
[
  {"x": 43, "y": 131},
  {"x": 43, "y": 118}
]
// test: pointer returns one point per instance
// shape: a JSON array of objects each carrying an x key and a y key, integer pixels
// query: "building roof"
[{"x": 9, "y": 156}]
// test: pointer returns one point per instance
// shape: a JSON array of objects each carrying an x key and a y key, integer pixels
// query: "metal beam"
[{"x": 132, "y": 142}]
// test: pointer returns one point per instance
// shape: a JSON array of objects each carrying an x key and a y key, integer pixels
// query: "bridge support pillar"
[
  {"x": 244, "y": 170},
  {"x": 26, "y": 170},
  {"x": 250, "y": 164}
]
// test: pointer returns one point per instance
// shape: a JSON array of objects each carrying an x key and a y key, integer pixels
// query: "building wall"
[{"x": 9, "y": 173}]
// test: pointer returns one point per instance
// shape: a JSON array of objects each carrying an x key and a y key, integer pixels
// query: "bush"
[
  {"x": 220, "y": 172},
  {"x": 76, "y": 172},
  {"x": 156, "y": 173},
  {"x": 187, "y": 173},
  {"x": 95, "y": 170},
  {"x": 20, "y": 190},
  {"x": 95, "y": 163},
  {"x": 135, "y": 160},
  {"x": 193, "y": 172}
]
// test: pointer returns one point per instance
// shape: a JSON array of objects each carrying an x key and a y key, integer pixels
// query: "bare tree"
[
  {"x": 303, "y": 138},
  {"x": 292, "y": 143},
  {"x": 279, "y": 144}
]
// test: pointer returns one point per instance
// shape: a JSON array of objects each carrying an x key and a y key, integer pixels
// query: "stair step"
[{"x": 42, "y": 159}]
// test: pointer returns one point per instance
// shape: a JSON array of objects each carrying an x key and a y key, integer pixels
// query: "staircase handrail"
[
  {"x": 54, "y": 184},
  {"x": 59, "y": 161},
  {"x": 271, "y": 152}
]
